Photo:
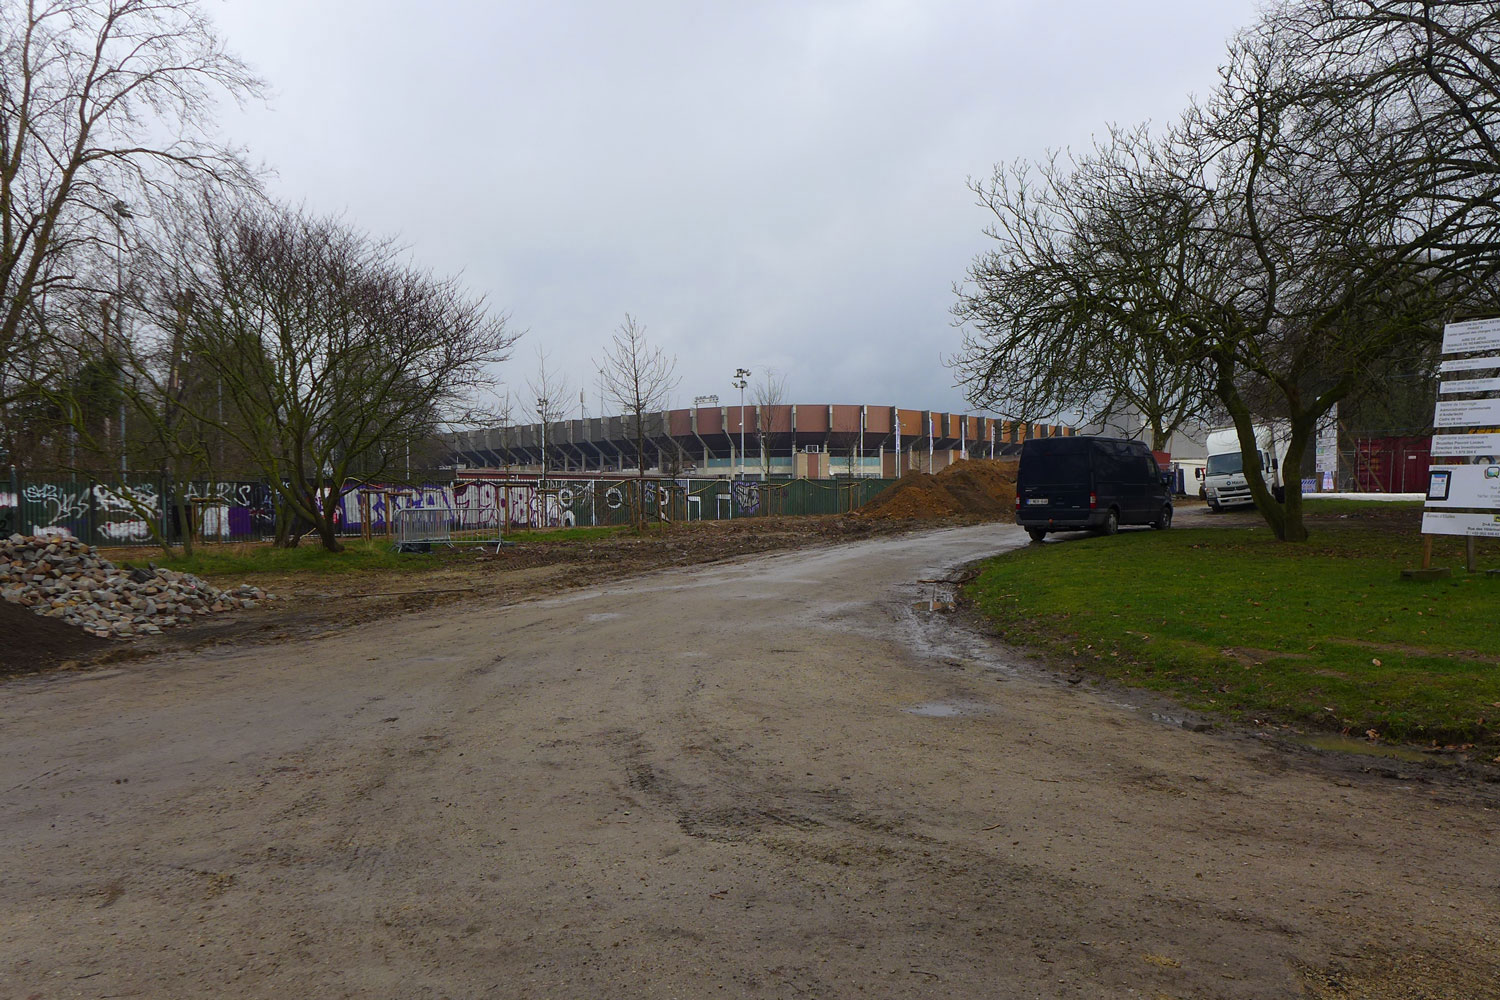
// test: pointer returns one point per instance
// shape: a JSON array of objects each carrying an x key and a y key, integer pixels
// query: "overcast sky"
[{"x": 766, "y": 184}]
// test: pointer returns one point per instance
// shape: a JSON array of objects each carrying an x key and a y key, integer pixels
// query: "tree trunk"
[
  {"x": 327, "y": 534},
  {"x": 1303, "y": 430},
  {"x": 1244, "y": 425},
  {"x": 185, "y": 523}
]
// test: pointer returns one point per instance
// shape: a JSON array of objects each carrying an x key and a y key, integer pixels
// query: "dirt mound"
[
  {"x": 31, "y": 642},
  {"x": 983, "y": 486},
  {"x": 980, "y": 487}
]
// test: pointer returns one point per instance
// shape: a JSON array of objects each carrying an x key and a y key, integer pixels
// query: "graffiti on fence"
[{"x": 746, "y": 496}]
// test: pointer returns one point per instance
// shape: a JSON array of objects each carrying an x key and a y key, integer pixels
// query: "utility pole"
[{"x": 741, "y": 377}]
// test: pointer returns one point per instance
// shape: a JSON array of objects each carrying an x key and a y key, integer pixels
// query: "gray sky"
[{"x": 761, "y": 183}]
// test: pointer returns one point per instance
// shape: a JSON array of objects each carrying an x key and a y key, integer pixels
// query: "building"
[{"x": 803, "y": 440}]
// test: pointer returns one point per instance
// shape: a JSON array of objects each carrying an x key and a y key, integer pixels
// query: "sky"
[{"x": 769, "y": 185}]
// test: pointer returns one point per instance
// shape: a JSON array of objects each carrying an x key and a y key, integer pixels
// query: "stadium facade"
[{"x": 802, "y": 440}]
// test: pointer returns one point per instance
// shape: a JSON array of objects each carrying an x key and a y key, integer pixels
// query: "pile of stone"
[{"x": 66, "y": 579}]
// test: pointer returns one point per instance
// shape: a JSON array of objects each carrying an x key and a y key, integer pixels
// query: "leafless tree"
[
  {"x": 551, "y": 391},
  {"x": 1038, "y": 340},
  {"x": 335, "y": 354},
  {"x": 1319, "y": 215},
  {"x": 103, "y": 103},
  {"x": 769, "y": 395},
  {"x": 639, "y": 378}
]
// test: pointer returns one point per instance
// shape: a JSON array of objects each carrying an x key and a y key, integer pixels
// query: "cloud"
[{"x": 776, "y": 183}]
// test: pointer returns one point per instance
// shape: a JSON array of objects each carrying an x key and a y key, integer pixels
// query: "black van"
[{"x": 1073, "y": 483}]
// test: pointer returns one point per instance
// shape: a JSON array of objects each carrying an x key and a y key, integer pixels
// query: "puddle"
[
  {"x": 949, "y": 709},
  {"x": 1192, "y": 725},
  {"x": 1348, "y": 744},
  {"x": 603, "y": 616}
]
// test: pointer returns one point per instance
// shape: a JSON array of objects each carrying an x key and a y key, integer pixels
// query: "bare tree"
[
  {"x": 551, "y": 391},
  {"x": 335, "y": 354},
  {"x": 1310, "y": 224},
  {"x": 1041, "y": 336},
  {"x": 769, "y": 395},
  {"x": 102, "y": 103},
  {"x": 639, "y": 378}
]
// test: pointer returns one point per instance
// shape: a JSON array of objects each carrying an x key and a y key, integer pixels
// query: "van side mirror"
[
  {"x": 1197, "y": 473},
  {"x": 1273, "y": 463}
]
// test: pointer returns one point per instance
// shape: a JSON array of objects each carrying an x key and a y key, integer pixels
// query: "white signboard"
[
  {"x": 1463, "y": 498},
  {"x": 1443, "y": 522},
  {"x": 1459, "y": 486},
  {"x": 1475, "y": 335},
  {"x": 1467, "y": 413},
  {"x": 1471, "y": 385},
  {"x": 1469, "y": 364},
  {"x": 1465, "y": 445}
]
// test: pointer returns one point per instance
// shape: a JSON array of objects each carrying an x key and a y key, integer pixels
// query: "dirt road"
[{"x": 766, "y": 778}]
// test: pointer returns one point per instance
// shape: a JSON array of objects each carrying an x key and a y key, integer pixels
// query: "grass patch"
[
  {"x": 1225, "y": 619},
  {"x": 567, "y": 535},
  {"x": 251, "y": 559}
]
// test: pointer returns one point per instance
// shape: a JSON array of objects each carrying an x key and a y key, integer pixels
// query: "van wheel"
[
  {"x": 1214, "y": 508},
  {"x": 1163, "y": 522},
  {"x": 1037, "y": 534},
  {"x": 1111, "y": 523}
]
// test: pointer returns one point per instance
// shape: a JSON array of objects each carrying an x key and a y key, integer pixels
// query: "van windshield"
[
  {"x": 1223, "y": 465},
  {"x": 1055, "y": 463}
]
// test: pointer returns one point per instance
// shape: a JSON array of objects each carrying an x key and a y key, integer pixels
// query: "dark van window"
[
  {"x": 1112, "y": 462},
  {"x": 1062, "y": 462}
]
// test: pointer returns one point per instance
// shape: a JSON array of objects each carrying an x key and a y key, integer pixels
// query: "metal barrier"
[{"x": 419, "y": 529}]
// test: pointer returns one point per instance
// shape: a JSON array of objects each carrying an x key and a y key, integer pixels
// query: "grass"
[
  {"x": 250, "y": 559},
  {"x": 585, "y": 534},
  {"x": 1225, "y": 619},
  {"x": 245, "y": 560}
]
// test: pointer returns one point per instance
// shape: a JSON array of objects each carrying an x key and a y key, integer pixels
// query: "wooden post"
[
  {"x": 1471, "y": 555},
  {"x": 1427, "y": 552}
]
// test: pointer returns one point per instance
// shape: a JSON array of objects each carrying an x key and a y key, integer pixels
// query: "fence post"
[
  {"x": 15, "y": 491},
  {"x": 93, "y": 518}
]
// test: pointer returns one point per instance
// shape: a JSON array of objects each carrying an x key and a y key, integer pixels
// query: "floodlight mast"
[
  {"x": 541, "y": 409},
  {"x": 741, "y": 376}
]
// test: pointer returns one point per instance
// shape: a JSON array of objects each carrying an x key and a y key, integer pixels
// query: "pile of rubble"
[{"x": 66, "y": 579}]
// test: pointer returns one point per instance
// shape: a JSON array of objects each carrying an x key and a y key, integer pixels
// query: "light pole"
[
  {"x": 541, "y": 411},
  {"x": 741, "y": 375}
]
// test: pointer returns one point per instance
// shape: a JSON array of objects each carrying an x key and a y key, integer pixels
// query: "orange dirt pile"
[{"x": 977, "y": 487}]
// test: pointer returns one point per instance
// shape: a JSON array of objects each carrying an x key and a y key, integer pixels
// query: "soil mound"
[
  {"x": 983, "y": 486},
  {"x": 30, "y": 642},
  {"x": 977, "y": 487}
]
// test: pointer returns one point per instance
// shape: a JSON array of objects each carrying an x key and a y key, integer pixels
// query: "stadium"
[{"x": 802, "y": 441}]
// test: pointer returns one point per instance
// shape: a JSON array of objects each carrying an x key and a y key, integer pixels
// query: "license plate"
[{"x": 1036, "y": 503}]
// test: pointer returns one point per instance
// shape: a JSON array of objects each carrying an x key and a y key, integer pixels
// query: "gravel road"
[{"x": 774, "y": 777}]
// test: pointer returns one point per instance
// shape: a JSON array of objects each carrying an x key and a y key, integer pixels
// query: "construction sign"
[{"x": 1463, "y": 488}]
